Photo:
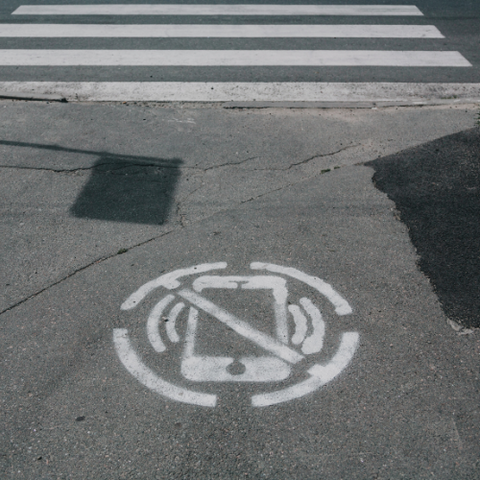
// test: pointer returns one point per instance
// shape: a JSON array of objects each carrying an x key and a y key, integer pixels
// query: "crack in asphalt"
[
  {"x": 120, "y": 167},
  {"x": 182, "y": 219},
  {"x": 80, "y": 269},
  {"x": 179, "y": 206},
  {"x": 65, "y": 170},
  {"x": 307, "y": 160},
  {"x": 292, "y": 165},
  {"x": 96, "y": 166},
  {"x": 127, "y": 165},
  {"x": 229, "y": 164},
  {"x": 322, "y": 155}
]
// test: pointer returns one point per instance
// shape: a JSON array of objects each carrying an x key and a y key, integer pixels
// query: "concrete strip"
[
  {"x": 406, "y": 93},
  {"x": 355, "y": 105},
  {"x": 39, "y": 97}
]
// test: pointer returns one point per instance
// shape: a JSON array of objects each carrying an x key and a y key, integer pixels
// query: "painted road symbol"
[{"x": 280, "y": 352}]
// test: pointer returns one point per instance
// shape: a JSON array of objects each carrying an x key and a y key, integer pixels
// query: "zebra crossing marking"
[
  {"x": 218, "y": 31},
  {"x": 221, "y": 58},
  {"x": 185, "y": 9},
  {"x": 231, "y": 91}
]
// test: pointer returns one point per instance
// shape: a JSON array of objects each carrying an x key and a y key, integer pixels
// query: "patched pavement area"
[
  {"x": 436, "y": 189},
  {"x": 211, "y": 293}
]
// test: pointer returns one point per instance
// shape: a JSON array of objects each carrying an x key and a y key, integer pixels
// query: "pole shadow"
[{"x": 121, "y": 188}]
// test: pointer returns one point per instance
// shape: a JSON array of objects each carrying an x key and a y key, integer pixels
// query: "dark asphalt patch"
[{"x": 436, "y": 189}]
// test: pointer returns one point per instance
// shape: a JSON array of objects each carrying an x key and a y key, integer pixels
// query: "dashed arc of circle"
[
  {"x": 132, "y": 362},
  {"x": 171, "y": 281}
]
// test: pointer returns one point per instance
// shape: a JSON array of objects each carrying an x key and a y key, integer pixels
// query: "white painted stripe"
[
  {"x": 190, "y": 333},
  {"x": 153, "y": 324},
  {"x": 172, "y": 320},
  {"x": 341, "y": 359},
  {"x": 185, "y": 9},
  {"x": 258, "y": 282},
  {"x": 313, "y": 343},
  {"x": 147, "y": 377},
  {"x": 410, "y": 93},
  {"x": 301, "y": 325},
  {"x": 241, "y": 327},
  {"x": 218, "y": 31},
  {"x": 232, "y": 58},
  {"x": 320, "y": 375}
]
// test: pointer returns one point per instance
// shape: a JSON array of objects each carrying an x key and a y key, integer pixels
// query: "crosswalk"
[
  {"x": 231, "y": 58},
  {"x": 53, "y": 30},
  {"x": 191, "y": 9},
  {"x": 36, "y": 28}
]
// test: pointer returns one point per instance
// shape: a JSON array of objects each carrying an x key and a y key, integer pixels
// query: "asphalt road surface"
[
  {"x": 203, "y": 293},
  {"x": 428, "y": 41}
]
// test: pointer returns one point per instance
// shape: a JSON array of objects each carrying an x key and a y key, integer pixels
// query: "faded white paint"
[
  {"x": 215, "y": 369},
  {"x": 280, "y": 293},
  {"x": 132, "y": 362},
  {"x": 341, "y": 305},
  {"x": 341, "y": 359},
  {"x": 190, "y": 333},
  {"x": 320, "y": 375},
  {"x": 301, "y": 325},
  {"x": 202, "y": 368},
  {"x": 232, "y": 58},
  {"x": 313, "y": 343},
  {"x": 270, "y": 367},
  {"x": 260, "y": 282},
  {"x": 169, "y": 280},
  {"x": 153, "y": 322},
  {"x": 270, "y": 344},
  {"x": 171, "y": 322}
]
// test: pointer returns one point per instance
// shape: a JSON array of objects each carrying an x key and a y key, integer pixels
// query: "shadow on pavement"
[
  {"x": 122, "y": 188},
  {"x": 436, "y": 189}
]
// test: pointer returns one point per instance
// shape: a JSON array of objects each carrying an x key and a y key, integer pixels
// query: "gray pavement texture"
[{"x": 282, "y": 186}]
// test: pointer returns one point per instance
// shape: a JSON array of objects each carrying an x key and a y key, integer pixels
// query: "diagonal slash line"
[{"x": 242, "y": 328}]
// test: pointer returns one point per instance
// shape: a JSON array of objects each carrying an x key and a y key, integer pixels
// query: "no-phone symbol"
[{"x": 187, "y": 297}]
